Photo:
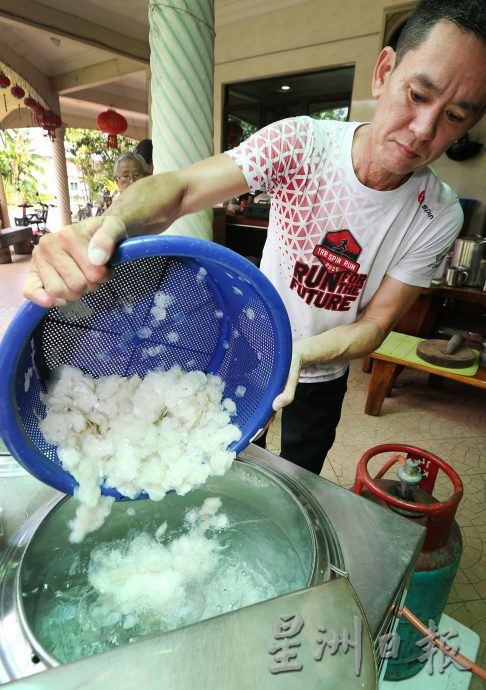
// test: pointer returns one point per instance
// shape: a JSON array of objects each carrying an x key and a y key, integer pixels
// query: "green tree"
[
  {"x": 247, "y": 129},
  {"x": 20, "y": 167},
  {"x": 89, "y": 150},
  {"x": 331, "y": 114}
]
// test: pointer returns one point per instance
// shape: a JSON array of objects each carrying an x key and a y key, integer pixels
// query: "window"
[{"x": 250, "y": 105}]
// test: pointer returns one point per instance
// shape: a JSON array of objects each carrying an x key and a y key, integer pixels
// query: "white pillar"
[
  {"x": 182, "y": 66},
  {"x": 62, "y": 185}
]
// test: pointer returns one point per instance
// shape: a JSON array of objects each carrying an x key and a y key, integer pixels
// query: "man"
[{"x": 358, "y": 221}]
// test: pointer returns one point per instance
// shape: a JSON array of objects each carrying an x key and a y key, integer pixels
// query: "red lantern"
[
  {"x": 49, "y": 121},
  {"x": 4, "y": 81},
  {"x": 30, "y": 102},
  {"x": 38, "y": 108},
  {"x": 112, "y": 123},
  {"x": 17, "y": 92}
]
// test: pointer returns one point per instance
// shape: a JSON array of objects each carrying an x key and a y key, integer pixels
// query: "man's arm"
[
  {"x": 155, "y": 202},
  {"x": 391, "y": 301},
  {"x": 67, "y": 264}
]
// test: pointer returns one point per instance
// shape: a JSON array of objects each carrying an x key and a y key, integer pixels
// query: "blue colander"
[{"x": 224, "y": 318}]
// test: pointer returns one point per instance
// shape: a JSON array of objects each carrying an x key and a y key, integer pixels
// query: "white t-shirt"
[{"x": 330, "y": 239}]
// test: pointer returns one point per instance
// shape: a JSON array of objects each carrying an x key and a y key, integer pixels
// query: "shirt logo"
[
  {"x": 338, "y": 252},
  {"x": 423, "y": 206},
  {"x": 335, "y": 284}
]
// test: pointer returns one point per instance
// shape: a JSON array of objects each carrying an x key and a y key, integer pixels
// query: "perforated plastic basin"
[{"x": 173, "y": 300}]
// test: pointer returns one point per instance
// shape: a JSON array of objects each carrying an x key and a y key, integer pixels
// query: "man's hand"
[
  {"x": 391, "y": 301},
  {"x": 69, "y": 263},
  {"x": 288, "y": 393}
]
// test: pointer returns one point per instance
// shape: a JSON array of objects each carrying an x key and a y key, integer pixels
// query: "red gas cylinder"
[{"x": 411, "y": 496}]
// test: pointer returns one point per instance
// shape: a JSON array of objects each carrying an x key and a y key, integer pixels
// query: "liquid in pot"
[{"x": 258, "y": 546}]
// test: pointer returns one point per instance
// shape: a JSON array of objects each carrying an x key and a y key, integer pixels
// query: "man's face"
[
  {"x": 129, "y": 170},
  {"x": 433, "y": 97}
]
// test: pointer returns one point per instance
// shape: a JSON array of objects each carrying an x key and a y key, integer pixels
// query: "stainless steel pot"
[
  {"x": 21, "y": 495},
  {"x": 50, "y": 598},
  {"x": 335, "y": 535},
  {"x": 467, "y": 253}
]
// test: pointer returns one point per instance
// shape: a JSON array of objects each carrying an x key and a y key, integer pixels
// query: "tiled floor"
[
  {"x": 12, "y": 277},
  {"x": 450, "y": 422}
]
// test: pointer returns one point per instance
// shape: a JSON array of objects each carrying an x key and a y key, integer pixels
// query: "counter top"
[
  {"x": 239, "y": 219},
  {"x": 468, "y": 294}
]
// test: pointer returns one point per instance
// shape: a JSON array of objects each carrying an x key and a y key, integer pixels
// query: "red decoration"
[
  {"x": 17, "y": 92},
  {"x": 49, "y": 121},
  {"x": 38, "y": 108},
  {"x": 4, "y": 81},
  {"x": 30, "y": 102},
  {"x": 112, "y": 123}
]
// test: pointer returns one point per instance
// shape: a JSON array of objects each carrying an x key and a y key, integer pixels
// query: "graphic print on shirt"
[
  {"x": 336, "y": 283},
  {"x": 424, "y": 207}
]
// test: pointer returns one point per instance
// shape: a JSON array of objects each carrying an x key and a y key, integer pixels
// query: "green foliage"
[
  {"x": 89, "y": 150},
  {"x": 247, "y": 128},
  {"x": 20, "y": 167},
  {"x": 340, "y": 114}
]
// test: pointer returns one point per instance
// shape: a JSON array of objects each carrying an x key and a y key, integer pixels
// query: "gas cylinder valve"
[{"x": 409, "y": 475}]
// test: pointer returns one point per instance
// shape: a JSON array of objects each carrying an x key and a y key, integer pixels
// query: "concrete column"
[
  {"x": 3, "y": 205},
  {"x": 182, "y": 66},
  {"x": 62, "y": 185}
]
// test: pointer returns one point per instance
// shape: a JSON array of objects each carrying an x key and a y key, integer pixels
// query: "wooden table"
[
  {"x": 19, "y": 237},
  {"x": 458, "y": 307},
  {"x": 385, "y": 369}
]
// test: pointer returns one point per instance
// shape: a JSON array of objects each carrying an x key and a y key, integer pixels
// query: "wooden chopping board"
[{"x": 435, "y": 352}]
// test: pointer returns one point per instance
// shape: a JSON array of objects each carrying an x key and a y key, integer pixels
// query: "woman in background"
[{"x": 128, "y": 168}]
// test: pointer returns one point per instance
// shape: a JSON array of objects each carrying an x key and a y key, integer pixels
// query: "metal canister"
[
  {"x": 482, "y": 352},
  {"x": 482, "y": 274},
  {"x": 467, "y": 252},
  {"x": 411, "y": 496}
]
